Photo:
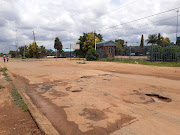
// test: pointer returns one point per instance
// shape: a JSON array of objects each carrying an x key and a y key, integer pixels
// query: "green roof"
[{"x": 106, "y": 43}]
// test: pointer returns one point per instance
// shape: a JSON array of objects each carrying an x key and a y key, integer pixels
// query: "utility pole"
[
  {"x": 24, "y": 50},
  {"x": 94, "y": 40},
  {"x": 34, "y": 37},
  {"x": 16, "y": 43},
  {"x": 70, "y": 51},
  {"x": 35, "y": 42},
  {"x": 177, "y": 26},
  {"x": 95, "y": 44}
]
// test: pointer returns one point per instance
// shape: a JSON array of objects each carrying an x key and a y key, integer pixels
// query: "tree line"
[{"x": 28, "y": 51}]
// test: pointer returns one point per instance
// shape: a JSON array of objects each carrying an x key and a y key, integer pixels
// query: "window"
[{"x": 110, "y": 50}]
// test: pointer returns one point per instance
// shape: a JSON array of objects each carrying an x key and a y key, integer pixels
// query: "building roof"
[
  {"x": 106, "y": 43},
  {"x": 64, "y": 49},
  {"x": 138, "y": 44},
  {"x": 68, "y": 50}
]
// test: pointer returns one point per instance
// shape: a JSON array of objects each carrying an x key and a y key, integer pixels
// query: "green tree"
[
  {"x": 22, "y": 49},
  {"x": 120, "y": 43},
  {"x": 1, "y": 54},
  {"x": 12, "y": 53},
  {"x": 89, "y": 43},
  {"x": 43, "y": 49},
  {"x": 82, "y": 39},
  {"x": 99, "y": 36},
  {"x": 159, "y": 40},
  {"x": 58, "y": 45},
  {"x": 33, "y": 49},
  {"x": 165, "y": 41},
  {"x": 152, "y": 39},
  {"x": 162, "y": 40},
  {"x": 142, "y": 41}
]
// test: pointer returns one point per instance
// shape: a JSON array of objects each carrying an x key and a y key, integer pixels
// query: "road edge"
[{"x": 40, "y": 119}]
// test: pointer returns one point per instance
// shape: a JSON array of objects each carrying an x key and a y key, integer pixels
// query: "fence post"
[
  {"x": 130, "y": 52},
  {"x": 151, "y": 52}
]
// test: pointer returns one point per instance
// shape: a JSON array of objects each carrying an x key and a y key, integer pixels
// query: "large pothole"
[{"x": 158, "y": 98}]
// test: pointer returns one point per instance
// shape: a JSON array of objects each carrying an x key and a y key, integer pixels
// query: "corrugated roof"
[{"x": 107, "y": 43}]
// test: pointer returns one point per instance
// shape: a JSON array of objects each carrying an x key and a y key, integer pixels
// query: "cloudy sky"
[{"x": 68, "y": 19}]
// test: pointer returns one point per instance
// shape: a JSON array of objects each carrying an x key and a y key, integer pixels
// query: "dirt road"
[{"x": 100, "y": 98}]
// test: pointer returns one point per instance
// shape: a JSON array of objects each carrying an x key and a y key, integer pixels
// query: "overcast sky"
[{"x": 68, "y": 19}]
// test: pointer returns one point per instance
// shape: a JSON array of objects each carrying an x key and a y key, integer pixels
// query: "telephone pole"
[
  {"x": 94, "y": 40},
  {"x": 16, "y": 43},
  {"x": 35, "y": 42},
  {"x": 177, "y": 26},
  {"x": 34, "y": 36}
]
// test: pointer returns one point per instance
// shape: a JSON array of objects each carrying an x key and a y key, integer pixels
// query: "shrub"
[{"x": 92, "y": 55}]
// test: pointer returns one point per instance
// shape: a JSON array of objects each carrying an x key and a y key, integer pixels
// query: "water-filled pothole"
[{"x": 158, "y": 98}]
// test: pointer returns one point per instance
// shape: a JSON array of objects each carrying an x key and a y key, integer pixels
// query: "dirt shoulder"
[{"x": 13, "y": 120}]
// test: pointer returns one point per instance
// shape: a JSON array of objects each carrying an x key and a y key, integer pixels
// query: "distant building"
[
  {"x": 66, "y": 52},
  {"x": 106, "y": 49}
]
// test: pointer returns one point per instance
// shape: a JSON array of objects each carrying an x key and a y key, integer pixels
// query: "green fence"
[{"x": 168, "y": 53}]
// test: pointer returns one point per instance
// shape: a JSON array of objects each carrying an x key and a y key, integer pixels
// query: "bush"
[{"x": 92, "y": 55}]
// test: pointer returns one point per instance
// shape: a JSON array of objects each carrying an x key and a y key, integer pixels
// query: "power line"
[
  {"x": 146, "y": 24},
  {"x": 140, "y": 18},
  {"x": 117, "y": 9}
]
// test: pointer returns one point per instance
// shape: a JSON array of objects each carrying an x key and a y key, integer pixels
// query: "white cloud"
[{"x": 69, "y": 19}]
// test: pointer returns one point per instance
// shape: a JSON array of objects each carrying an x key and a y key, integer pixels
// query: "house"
[{"x": 106, "y": 49}]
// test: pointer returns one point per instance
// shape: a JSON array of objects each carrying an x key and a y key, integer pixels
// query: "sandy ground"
[
  {"x": 101, "y": 98},
  {"x": 13, "y": 120}
]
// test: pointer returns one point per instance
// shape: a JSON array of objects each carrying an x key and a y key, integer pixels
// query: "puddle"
[{"x": 158, "y": 98}]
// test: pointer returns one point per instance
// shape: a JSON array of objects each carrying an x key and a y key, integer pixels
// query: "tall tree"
[
  {"x": 33, "y": 49},
  {"x": 89, "y": 43},
  {"x": 120, "y": 43},
  {"x": 58, "y": 44},
  {"x": 22, "y": 49},
  {"x": 165, "y": 41},
  {"x": 142, "y": 41},
  {"x": 159, "y": 41},
  {"x": 152, "y": 39},
  {"x": 42, "y": 49},
  {"x": 99, "y": 36},
  {"x": 85, "y": 41}
]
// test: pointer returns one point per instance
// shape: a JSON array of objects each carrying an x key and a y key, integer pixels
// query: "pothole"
[
  {"x": 87, "y": 77},
  {"x": 158, "y": 98},
  {"x": 76, "y": 91}
]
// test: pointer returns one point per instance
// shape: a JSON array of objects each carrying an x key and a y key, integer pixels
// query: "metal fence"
[
  {"x": 151, "y": 53},
  {"x": 166, "y": 53}
]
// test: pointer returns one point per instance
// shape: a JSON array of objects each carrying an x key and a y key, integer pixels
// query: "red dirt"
[
  {"x": 108, "y": 98},
  {"x": 13, "y": 120}
]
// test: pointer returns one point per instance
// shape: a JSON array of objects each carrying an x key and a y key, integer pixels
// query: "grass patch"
[
  {"x": 5, "y": 74},
  {"x": 3, "y": 69},
  {"x": 143, "y": 62},
  {"x": 1, "y": 87},
  {"x": 18, "y": 99}
]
